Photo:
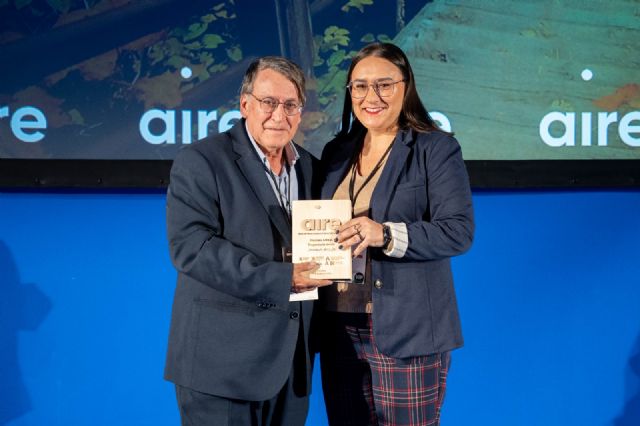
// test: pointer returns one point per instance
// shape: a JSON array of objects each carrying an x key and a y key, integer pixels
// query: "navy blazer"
[
  {"x": 424, "y": 184},
  {"x": 233, "y": 330}
]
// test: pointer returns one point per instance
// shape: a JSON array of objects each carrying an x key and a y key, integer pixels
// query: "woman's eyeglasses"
[{"x": 359, "y": 89}]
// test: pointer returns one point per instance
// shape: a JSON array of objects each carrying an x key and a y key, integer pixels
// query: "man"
[{"x": 238, "y": 351}]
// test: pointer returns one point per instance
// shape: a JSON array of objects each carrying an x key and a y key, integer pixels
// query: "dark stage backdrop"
[
  {"x": 548, "y": 296},
  {"x": 538, "y": 93}
]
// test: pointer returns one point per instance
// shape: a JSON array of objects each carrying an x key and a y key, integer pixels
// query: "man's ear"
[{"x": 244, "y": 99}]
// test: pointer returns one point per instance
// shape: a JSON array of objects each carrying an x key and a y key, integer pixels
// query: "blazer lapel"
[
  {"x": 381, "y": 196},
  {"x": 337, "y": 170},
  {"x": 250, "y": 166}
]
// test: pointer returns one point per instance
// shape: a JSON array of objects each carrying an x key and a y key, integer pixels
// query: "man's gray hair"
[{"x": 279, "y": 64}]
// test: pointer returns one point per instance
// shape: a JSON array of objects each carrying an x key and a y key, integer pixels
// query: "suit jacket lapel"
[
  {"x": 254, "y": 173},
  {"x": 303, "y": 174},
  {"x": 381, "y": 196}
]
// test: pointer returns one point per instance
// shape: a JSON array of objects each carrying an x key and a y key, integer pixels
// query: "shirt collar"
[{"x": 291, "y": 154}]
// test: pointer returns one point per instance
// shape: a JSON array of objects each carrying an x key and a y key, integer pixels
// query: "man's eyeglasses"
[
  {"x": 385, "y": 88},
  {"x": 268, "y": 105}
]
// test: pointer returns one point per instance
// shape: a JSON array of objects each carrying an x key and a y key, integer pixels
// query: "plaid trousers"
[{"x": 362, "y": 386}]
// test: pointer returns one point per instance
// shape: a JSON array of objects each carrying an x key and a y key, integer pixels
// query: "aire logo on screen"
[
  {"x": 28, "y": 124},
  {"x": 566, "y": 126},
  {"x": 166, "y": 121},
  {"x": 568, "y": 120}
]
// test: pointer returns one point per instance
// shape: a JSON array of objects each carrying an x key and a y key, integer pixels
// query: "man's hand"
[{"x": 301, "y": 281}]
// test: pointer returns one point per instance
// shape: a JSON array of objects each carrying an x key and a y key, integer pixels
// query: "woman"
[{"x": 387, "y": 335}]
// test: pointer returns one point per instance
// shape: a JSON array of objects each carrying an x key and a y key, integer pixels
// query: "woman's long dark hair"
[{"x": 413, "y": 114}]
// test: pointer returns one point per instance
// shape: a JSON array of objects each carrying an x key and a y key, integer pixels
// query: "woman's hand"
[{"x": 360, "y": 233}]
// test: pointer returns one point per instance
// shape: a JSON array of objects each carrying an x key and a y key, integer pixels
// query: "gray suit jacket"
[
  {"x": 233, "y": 330},
  {"x": 424, "y": 184}
]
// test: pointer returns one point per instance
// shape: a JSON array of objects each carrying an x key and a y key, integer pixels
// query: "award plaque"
[{"x": 315, "y": 223}]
